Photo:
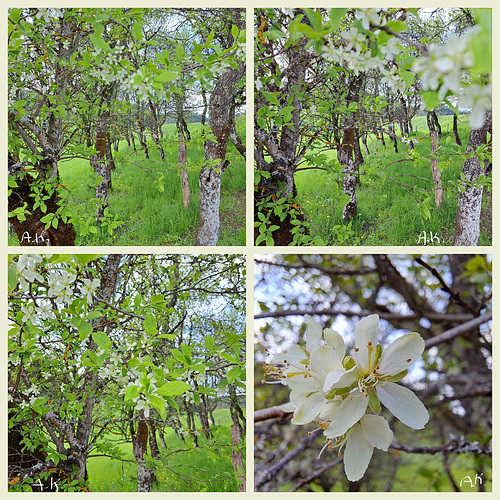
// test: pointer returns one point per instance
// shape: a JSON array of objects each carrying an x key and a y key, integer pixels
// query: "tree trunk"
[
  {"x": 436, "y": 172},
  {"x": 470, "y": 197},
  {"x": 455, "y": 129},
  {"x": 155, "y": 130},
  {"x": 186, "y": 191},
  {"x": 219, "y": 119},
  {"x": 346, "y": 155},
  {"x": 140, "y": 448},
  {"x": 237, "y": 458},
  {"x": 100, "y": 166}
]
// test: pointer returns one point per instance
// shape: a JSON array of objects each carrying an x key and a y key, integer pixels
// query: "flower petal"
[
  {"x": 308, "y": 407},
  {"x": 333, "y": 339},
  {"x": 366, "y": 332},
  {"x": 404, "y": 405},
  {"x": 376, "y": 431},
  {"x": 324, "y": 361},
  {"x": 401, "y": 354},
  {"x": 314, "y": 333},
  {"x": 357, "y": 455},
  {"x": 350, "y": 411}
]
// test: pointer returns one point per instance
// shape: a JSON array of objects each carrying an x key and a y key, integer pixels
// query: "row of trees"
[
  {"x": 125, "y": 345},
  {"x": 327, "y": 78},
  {"x": 444, "y": 298},
  {"x": 80, "y": 80}
]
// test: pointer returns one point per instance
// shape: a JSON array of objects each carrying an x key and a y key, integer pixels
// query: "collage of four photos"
[{"x": 211, "y": 322}]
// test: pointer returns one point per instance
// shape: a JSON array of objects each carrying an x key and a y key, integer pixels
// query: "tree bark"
[
  {"x": 237, "y": 458},
  {"x": 140, "y": 448},
  {"x": 455, "y": 130},
  {"x": 346, "y": 153},
  {"x": 181, "y": 159},
  {"x": 436, "y": 172},
  {"x": 470, "y": 196},
  {"x": 219, "y": 119}
]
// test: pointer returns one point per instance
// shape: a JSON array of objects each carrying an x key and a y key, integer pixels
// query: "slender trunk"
[
  {"x": 155, "y": 130},
  {"x": 345, "y": 153},
  {"x": 470, "y": 195},
  {"x": 455, "y": 129},
  {"x": 237, "y": 458},
  {"x": 140, "y": 448},
  {"x": 436, "y": 172},
  {"x": 181, "y": 159},
  {"x": 100, "y": 165}
]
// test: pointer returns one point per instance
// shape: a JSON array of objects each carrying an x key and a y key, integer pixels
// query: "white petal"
[
  {"x": 350, "y": 411},
  {"x": 309, "y": 408},
  {"x": 313, "y": 334},
  {"x": 376, "y": 431},
  {"x": 332, "y": 378},
  {"x": 333, "y": 339},
  {"x": 401, "y": 354},
  {"x": 357, "y": 455},
  {"x": 366, "y": 332},
  {"x": 347, "y": 379},
  {"x": 404, "y": 405},
  {"x": 323, "y": 361}
]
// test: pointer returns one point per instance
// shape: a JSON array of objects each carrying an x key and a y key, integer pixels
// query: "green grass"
[
  {"x": 387, "y": 214},
  {"x": 152, "y": 217},
  {"x": 207, "y": 468}
]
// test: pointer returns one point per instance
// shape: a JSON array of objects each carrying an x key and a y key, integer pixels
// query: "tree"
[
  {"x": 86, "y": 65},
  {"x": 445, "y": 299},
  {"x": 110, "y": 343},
  {"x": 335, "y": 47}
]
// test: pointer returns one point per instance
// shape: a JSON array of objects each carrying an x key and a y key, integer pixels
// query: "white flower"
[
  {"x": 477, "y": 97},
  {"x": 89, "y": 288},
  {"x": 310, "y": 372},
  {"x": 391, "y": 49},
  {"x": 372, "y": 431},
  {"x": 29, "y": 312},
  {"x": 331, "y": 53},
  {"x": 44, "y": 310},
  {"x": 373, "y": 380},
  {"x": 354, "y": 38},
  {"x": 367, "y": 16}
]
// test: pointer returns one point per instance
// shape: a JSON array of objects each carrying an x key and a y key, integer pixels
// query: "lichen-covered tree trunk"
[
  {"x": 436, "y": 172},
  {"x": 99, "y": 164},
  {"x": 345, "y": 153},
  {"x": 215, "y": 163},
  {"x": 181, "y": 160},
  {"x": 140, "y": 448},
  {"x": 470, "y": 195}
]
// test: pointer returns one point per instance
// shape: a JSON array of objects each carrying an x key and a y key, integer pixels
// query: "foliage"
[{"x": 168, "y": 339}]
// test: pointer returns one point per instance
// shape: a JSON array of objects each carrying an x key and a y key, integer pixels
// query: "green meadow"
[{"x": 389, "y": 211}]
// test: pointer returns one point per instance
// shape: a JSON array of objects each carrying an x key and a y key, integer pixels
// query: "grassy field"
[
  {"x": 387, "y": 214},
  {"x": 207, "y": 468},
  {"x": 152, "y": 217}
]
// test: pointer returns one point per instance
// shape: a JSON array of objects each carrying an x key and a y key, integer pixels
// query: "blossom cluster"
[{"x": 343, "y": 393}]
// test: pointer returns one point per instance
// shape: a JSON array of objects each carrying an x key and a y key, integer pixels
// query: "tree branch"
[
  {"x": 453, "y": 446},
  {"x": 458, "y": 330}
]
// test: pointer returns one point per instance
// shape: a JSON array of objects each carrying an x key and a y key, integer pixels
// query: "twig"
[
  {"x": 453, "y": 446},
  {"x": 458, "y": 330},
  {"x": 269, "y": 413}
]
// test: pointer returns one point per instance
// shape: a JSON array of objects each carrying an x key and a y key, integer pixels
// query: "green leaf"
[
  {"x": 102, "y": 340},
  {"x": 159, "y": 403},
  {"x": 174, "y": 388},
  {"x": 179, "y": 356},
  {"x": 84, "y": 330},
  {"x": 82, "y": 258},
  {"x": 166, "y": 76},
  {"x": 234, "y": 31},
  {"x": 12, "y": 278},
  {"x": 137, "y": 30},
  {"x": 233, "y": 374},
  {"x": 336, "y": 16},
  {"x": 98, "y": 42},
  {"x": 209, "y": 342},
  {"x": 150, "y": 324},
  {"x": 397, "y": 26},
  {"x": 131, "y": 392}
]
